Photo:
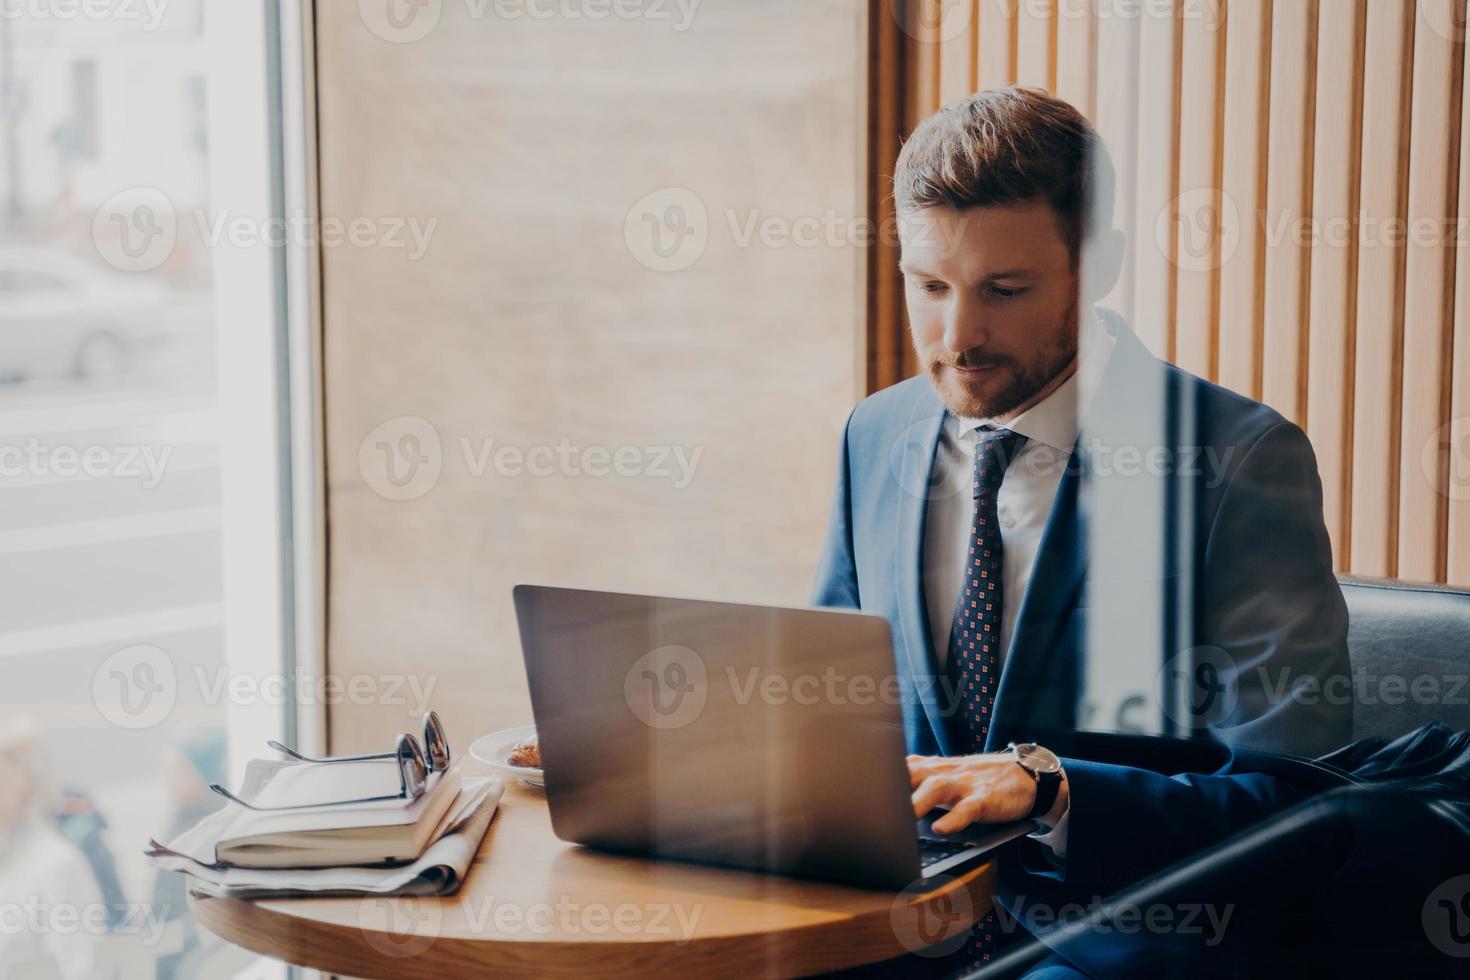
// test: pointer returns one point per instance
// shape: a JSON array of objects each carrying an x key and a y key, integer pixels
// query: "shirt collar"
[{"x": 1056, "y": 420}]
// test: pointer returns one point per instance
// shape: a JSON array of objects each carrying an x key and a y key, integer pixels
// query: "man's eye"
[
  {"x": 934, "y": 287},
  {"x": 1007, "y": 292}
]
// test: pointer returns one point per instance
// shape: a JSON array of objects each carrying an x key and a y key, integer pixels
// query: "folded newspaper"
[{"x": 438, "y": 871}]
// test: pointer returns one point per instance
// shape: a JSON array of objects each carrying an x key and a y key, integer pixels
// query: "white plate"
[{"x": 494, "y": 751}]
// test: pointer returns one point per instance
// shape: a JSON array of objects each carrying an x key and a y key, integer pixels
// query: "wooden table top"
[{"x": 535, "y": 905}]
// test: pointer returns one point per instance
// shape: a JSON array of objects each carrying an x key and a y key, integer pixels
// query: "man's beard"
[{"x": 1020, "y": 381}]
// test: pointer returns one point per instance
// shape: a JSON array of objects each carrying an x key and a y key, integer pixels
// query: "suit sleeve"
[
  {"x": 1273, "y": 622},
  {"x": 836, "y": 583},
  {"x": 1270, "y": 602}
]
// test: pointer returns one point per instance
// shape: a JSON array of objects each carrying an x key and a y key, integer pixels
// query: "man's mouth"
[{"x": 975, "y": 370}]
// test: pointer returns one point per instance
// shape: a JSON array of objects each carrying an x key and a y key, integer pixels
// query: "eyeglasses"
[
  {"x": 414, "y": 767},
  {"x": 436, "y": 746}
]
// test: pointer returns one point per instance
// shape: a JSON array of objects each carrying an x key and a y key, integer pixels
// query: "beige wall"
[
  {"x": 531, "y": 320},
  {"x": 1246, "y": 134}
]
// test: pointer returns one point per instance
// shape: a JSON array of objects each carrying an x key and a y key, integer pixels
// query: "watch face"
[{"x": 1038, "y": 759}]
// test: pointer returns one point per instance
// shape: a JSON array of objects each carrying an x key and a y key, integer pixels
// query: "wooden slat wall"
[
  {"x": 1433, "y": 184},
  {"x": 1294, "y": 181},
  {"x": 1337, "y": 139},
  {"x": 1452, "y": 465}
]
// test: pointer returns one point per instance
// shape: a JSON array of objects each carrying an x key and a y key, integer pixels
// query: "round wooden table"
[{"x": 533, "y": 905}]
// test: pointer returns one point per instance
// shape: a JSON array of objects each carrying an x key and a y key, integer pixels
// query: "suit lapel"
[{"x": 913, "y": 462}]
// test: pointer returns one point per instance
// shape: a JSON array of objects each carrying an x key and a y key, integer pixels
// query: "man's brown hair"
[{"x": 1010, "y": 146}]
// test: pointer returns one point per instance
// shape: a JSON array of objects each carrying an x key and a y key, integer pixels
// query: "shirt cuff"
[{"x": 1055, "y": 840}]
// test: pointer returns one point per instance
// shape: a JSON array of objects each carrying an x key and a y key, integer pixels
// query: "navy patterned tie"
[{"x": 973, "y": 664}]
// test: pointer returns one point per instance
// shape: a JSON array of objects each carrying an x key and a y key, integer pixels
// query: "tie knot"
[{"x": 993, "y": 453}]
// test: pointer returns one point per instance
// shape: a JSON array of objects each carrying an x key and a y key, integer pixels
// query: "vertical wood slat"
[
  {"x": 1247, "y": 80},
  {"x": 995, "y": 30},
  {"x": 886, "y": 333},
  {"x": 957, "y": 51},
  {"x": 1197, "y": 219},
  {"x": 1427, "y": 300},
  {"x": 1454, "y": 472},
  {"x": 1337, "y": 140},
  {"x": 1075, "y": 48},
  {"x": 1035, "y": 56},
  {"x": 1289, "y": 207},
  {"x": 921, "y": 81},
  {"x": 1152, "y": 228},
  {"x": 1379, "y": 352},
  {"x": 922, "y": 67},
  {"x": 1116, "y": 86}
]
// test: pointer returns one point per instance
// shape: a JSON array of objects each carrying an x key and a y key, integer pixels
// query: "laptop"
[{"x": 727, "y": 733}]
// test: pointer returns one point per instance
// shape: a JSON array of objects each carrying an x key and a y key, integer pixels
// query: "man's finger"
[
  {"x": 921, "y": 767},
  {"x": 935, "y": 791},
  {"x": 969, "y": 810}
]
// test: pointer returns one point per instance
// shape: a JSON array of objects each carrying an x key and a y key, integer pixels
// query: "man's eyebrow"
[
  {"x": 1016, "y": 273},
  {"x": 909, "y": 269}
]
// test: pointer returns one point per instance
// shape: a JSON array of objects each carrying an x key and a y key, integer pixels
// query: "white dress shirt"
[{"x": 1024, "y": 502}]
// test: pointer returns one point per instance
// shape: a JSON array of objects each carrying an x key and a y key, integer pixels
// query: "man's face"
[{"x": 992, "y": 303}]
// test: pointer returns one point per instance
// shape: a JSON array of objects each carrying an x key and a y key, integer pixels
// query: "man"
[{"x": 986, "y": 511}]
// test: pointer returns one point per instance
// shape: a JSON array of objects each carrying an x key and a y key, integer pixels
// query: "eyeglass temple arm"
[
  {"x": 216, "y": 787},
  {"x": 336, "y": 758}
]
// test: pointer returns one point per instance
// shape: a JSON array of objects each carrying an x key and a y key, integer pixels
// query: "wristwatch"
[{"x": 1042, "y": 765}]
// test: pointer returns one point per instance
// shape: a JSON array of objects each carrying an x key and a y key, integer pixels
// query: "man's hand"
[{"x": 988, "y": 788}]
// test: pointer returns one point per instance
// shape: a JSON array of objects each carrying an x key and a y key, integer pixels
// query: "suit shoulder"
[
  {"x": 894, "y": 407},
  {"x": 1227, "y": 417}
]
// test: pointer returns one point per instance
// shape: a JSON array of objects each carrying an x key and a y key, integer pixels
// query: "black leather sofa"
[{"x": 1419, "y": 634}]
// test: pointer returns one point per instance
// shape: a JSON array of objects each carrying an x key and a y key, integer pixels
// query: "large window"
[{"x": 148, "y": 628}]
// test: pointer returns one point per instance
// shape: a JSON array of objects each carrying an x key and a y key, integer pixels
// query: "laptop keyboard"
[{"x": 933, "y": 851}]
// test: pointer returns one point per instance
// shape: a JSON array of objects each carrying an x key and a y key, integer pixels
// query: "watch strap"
[{"x": 1048, "y": 784}]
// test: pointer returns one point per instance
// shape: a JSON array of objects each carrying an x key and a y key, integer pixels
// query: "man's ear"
[{"x": 1102, "y": 262}]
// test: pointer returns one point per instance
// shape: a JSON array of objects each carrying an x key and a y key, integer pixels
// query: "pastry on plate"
[{"x": 526, "y": 753}]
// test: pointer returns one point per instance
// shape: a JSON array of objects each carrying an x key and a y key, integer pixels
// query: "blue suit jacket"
[{"x": 1247, "y": 573}]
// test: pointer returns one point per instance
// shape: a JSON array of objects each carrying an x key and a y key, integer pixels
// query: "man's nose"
[{"x": 964, "y": 326}]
